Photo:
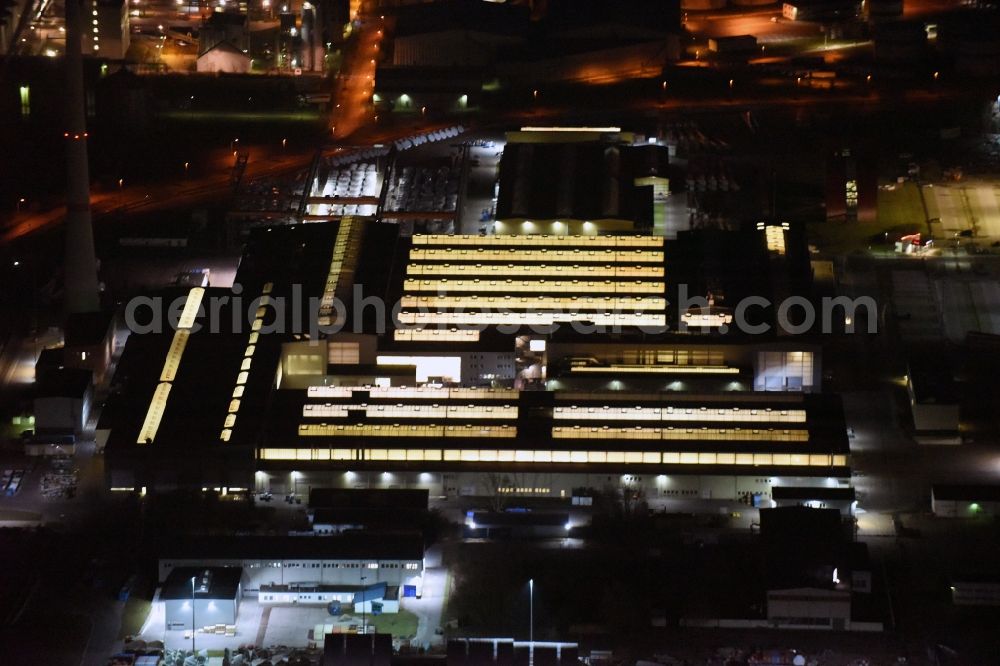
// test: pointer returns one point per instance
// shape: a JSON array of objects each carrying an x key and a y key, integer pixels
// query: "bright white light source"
[{"x": 537, "y": 345}]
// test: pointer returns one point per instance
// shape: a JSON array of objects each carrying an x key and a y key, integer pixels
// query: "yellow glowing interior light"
[
  {"x": 174, "y": 354},
  {"x": 154, "y": 414},
  {"x": 191, "y": 306}
]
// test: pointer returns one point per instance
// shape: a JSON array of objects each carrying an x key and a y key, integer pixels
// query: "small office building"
[
  {"x": 215, "y": 594},
  {"x": 306, "y": 562},
  {"x": 373, "y": 599}
]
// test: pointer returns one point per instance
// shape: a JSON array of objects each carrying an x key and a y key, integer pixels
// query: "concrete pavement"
[{"x": 430, "y": 606}]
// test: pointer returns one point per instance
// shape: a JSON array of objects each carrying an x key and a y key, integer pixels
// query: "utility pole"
[
  {"x": 364, "y": 600},
  {"x": 531, "y": 612},
  {"x": 192, "y": 616}
]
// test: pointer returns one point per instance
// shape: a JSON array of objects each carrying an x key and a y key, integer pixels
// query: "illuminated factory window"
[
  {"x": 658, "y": 369},
  {"x": 25, "y": 92},
  {"x": 435, "y": 335},
  {"x": 703, "y": 414},
  {"x": 479, "y": 456},
  {"x": 784, "y": 371},
  {"x": 397, "y": 430},
  {"x": 852, "y": 194},
  {"x": 681, "y": 433},
  {"x": 174, "y": 354},
  {"x": 534, "y": 271},
  {"x": 154, "y": 414},
  {"x": 191, "y": 307},
  {"x": 414, "y": 392},
  {"x": 542, "y": 256},
  {"x": 503, "y": 412},
  {"x": 531, "y": 318},
  {"x": 538, "y": 240},
  {"x": 446, "y": 368},
  {"x": 338, "y": 260},
  {"x": 774, "y": 235},
  {"x": 171, "y": 364},
  {"x": 536, "y": 302},
  {"x": 479, "y": 286},
  {"x": 344, "y": 353},
  {"x": 244, "y": 374}
]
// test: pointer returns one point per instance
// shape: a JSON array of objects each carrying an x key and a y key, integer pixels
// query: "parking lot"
[{"x": 967, "y": 206}]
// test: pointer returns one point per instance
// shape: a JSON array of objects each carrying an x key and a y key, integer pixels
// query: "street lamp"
[
  {"x": 364, "y": 598},
  {"x": 192, "y": 616},
  {"x": 531, "y": 612}
]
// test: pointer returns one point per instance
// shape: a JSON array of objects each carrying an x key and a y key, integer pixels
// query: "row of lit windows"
[
  {"x": 531, "y": 318},
  {"x": 774, "y": 236},
  {"x": 608, "y": 413},
  {"x": 157, "y": 405},
  {"x": 435, "y": 335},
  {"x": 497, "y": 254},
  {"x": 534, "y": 271},
  {"x": 397, "y": 430},
  {"x": 537, "y": 239},
  {"x": 658, "y": 369},
  {"x": 172, "y": 362},
  {"x": 244, "y": 373},
  {"x": 413, "y": 411},
  {"x": 572, "y": 457},
  {"x": 334, "y": 275},
  {"x": 537, "y": 302},
  {"x": 418, "y": 392},
  {"x": 767, "y": 400},
  {"x": 671, "y": 433},
  {"x": 534, "y": 286}
]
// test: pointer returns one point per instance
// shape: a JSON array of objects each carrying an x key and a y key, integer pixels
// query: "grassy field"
[
  {"x": 899, "y": 211},
  {"x": 401, "y": 625}
]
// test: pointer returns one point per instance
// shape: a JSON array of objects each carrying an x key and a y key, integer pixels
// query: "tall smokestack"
[{"x": 82, "y": 291}]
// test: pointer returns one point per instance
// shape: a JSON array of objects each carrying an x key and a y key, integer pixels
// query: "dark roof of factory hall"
[
  {"x": 966, "y": 492},
  {"x": 583, "y": 181},
  {"x": 350, "y": 545}
]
